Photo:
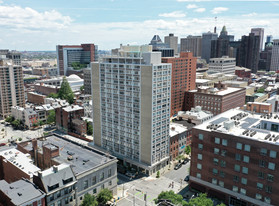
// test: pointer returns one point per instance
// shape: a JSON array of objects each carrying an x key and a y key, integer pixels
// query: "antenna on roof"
[{"x": 215, "y": 28}]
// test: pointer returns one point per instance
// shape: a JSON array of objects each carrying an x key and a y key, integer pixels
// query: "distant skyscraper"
[
  {"x": 269, "y": 38},
  {"x": 259, "y": 32},
  {"x": 11, "y": 84},
  {"x": 275, "y": 56},
  {"x": 191, "y": 44},
  {"x": 183, "y": 78},
  {"x": 172, "y": 42},
  {"x": 249, "y": 52},
  {"x": 224, "y": 34},
  {"x": 68, "y": 54},
  {"x": 265, "y": 57},
  {"x": 206, "y": 44},
  {"x": 158, "y": 45},
  {"x": 131, "y": 106}
]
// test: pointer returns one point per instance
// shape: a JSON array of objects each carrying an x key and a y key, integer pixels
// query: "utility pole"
[
  {"x": 134, "y": 198},
  {"x": 145, "y": 198},
  {"x": 123, "y": 191}
]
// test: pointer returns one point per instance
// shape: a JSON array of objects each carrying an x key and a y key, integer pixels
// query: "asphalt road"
[{"x": 134, "y": 190}]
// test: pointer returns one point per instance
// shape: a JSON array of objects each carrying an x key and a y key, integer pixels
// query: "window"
[
  {"x": 217, "y": 140},
  {"x": 242, "y": 191},
  {"x": 221, "y": 183},
  {"x": 267, "y": 200},
  {"x": 200, "y": 156},
  {"x": 244, "y": 170},
  {"x": 51, "y": 197},
  {"x": 268, "y": 189},
  {"x": 103, "y": 186},
  {"x": 261, "y": 175},
  {"x": 270, "y": 177},
  {"x": 199, "y": 175},
  {"x": 215, "y": 171},
  {"x": 216, "y": 151},
  {"x": 223, "y": 163},
  {"x": 110, "y": 183},
  {"x": 246, "y": 159},
  {"x": 263, "y": 151},
  {"x": 109, "y": 173},
  {"x": 224, "y": 142},
  {"x": 39, "y": 202},
  {"x": 214, "y": 181},
  {"x": 85, "y": 184},
  {"x": 58, "y": 194},
  {"x": 222, "y": 174},
  {"x": 235, "y": 178},
  {"x": 236, "y": 168},
  {"x": 94, "y": 191},
  {"x": 262, "y": 163},
  {"x": 272, "y": 154},
  {"x": 238, "y": 157},
  {"x": 259, "y": 186},
  {"x": 59, "y": 203},
  {"x": 200, "y": 136},
  {"x": 247, "y": 148},
  {"x": 94, "y": 181},
  {"x": 200, "y": 146},
  {"x": 239, "y": 146},
  {"x": 223, "y": 153},
  {"x": 235, "y": 188},
  {"x": 271, "y": 166},
  {"x": 215, "y": 161},
  {"x": 199, "y": 166},
  {"x": 258, "y": 196},
  {"x": 244, "y": 181},
  {"x": 102, "y": 176}
]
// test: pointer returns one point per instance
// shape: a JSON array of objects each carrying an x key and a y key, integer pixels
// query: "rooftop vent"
[{"x": 19, "y": 194}]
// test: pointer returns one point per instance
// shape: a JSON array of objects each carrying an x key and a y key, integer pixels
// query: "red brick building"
[
  {"x": 259, "y": 107},
  {"x": 216, "y": 100},
  {"x": 183, "y": 78},
  {"x": 243, "y": 72},
  {"x": 235, "y": 158}
]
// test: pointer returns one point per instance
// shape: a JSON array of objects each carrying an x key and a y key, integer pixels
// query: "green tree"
[
  {"x": 104, "y": 196},
  {"x": 10, "y": 119},
  {"x": 16, "y": 123},
  {"x": 81, "y": 88},
  {"x": 158, "y": 174},
  {"x": 41, "y": 123},
  {"x": 202, "y": 200},
  {"x": 51, "y": 117},
  {"x": 170, "y": 195},
  {"x": 222, "y": 204},
  {"x": 89, "y": 128},
  {"x": 89, "y": 200},
  {"x": 188, "y": 150},
  {"x": 65, "y": 91},
  {"x": 260, "y": 90},
  {"x": 53, "y": 95}
]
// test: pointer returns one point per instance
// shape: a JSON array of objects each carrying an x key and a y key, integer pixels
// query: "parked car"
[
  {"x": 2, "y": 144},
  {"x": 177, "y": 166},
  {"x": 129, "y": 174},
  {"x": 187, "y": 178},
  {"x": 185, "y": 161}
]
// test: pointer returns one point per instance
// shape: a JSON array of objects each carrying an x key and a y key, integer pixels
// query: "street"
[{"x": 134, "y": 190}]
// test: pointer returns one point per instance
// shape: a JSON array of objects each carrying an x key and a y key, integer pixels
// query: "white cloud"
[
  {"x": 200, "y": 10},
  {"x": 249, "y": 15},
  {"x": 218, "y": 10},
  {"x": 191, "y": 6},
  {"x": 174, "y": 14},
  {"x": 16, "y": 17}
]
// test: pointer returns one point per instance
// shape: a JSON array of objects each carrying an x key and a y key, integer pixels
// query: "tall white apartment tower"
[
  {"x": 172, "y": 42},
  {"x": 131, "y": 106},
  {"x": 275, "y": 56}
]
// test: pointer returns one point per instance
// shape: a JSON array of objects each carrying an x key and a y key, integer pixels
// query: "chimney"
[
  {"x": 40, "y": 174},
  {"x": 34, "y": 144},
  {"x": 55, "y": 168}
]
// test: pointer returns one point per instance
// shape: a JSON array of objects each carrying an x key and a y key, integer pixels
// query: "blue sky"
[{"x": 42, "y": 24}]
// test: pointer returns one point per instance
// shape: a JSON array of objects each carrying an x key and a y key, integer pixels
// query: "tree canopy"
[
  {"x": 202, "y": 200},
  {"x": 104, "y": 196},
  {"x": 89, "y": 200},
  {"x": 188, "y": 150},
  {"x": 51, "y": 117},
  {"x": 65, "y": 91},
  {"x": 170, "y": 195}
]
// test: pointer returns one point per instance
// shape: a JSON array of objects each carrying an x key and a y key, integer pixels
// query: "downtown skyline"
[{"x": 36, "y": 25}]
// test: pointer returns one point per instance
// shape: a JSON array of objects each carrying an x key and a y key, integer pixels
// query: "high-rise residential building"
[
  {"x": 13, "y": 55},
  {"x": 131, "y": 106},
  {"x": 223, "y": 65},
  {"x": 275, "y": 56},
  {"x": 249, "y": 52},
  {"x": 68, "y": 54},
  {"x": 87, "y": 80},
  {"x": 172, "y": 42},
  {"x": 206, "y": 44},
  {"x": 183, "y": 78},
  {"x": 259, "y": 32},
  {"x": 235, "y": 158},
  {"x": 265, "y": 57},
  {"x": 11, "y": 85},
  {"x": 191, "y": 44}
]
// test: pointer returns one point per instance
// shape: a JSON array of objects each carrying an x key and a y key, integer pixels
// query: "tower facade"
[
  {"x": 275, "y": 56},
  {"x": 172, "y": 42},
  {"x": 259, "y": 32},
  {"x": 11, "y": 86},
  {"x": 131, "y": 106},
  {"x": 206, "y": 44},
  {"x": 191, "y": 44}
]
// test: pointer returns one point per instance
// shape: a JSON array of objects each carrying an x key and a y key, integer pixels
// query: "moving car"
[
  {"x": 187, "y": 178},
  {"x": 178, "y": 166}
]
